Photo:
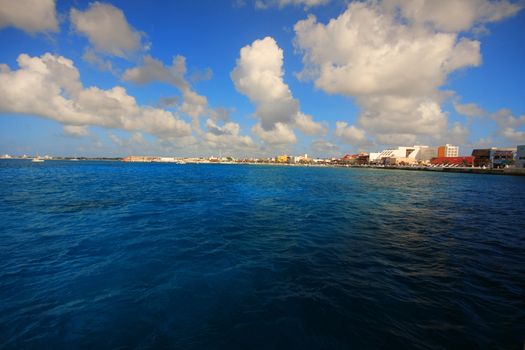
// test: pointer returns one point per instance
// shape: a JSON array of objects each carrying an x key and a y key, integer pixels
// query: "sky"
[{"x": 256, "y": 78}]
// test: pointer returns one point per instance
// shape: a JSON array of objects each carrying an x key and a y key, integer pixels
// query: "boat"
[{"x": 37, "y": 160}]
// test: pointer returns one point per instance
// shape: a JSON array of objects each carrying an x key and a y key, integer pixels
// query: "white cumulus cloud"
[
  {"x": 280, "y": 134},
  {"x": 29, "y": 15},
  {"x": 307, "y": 126},
  {"x": 227, "y": 137},
  {"x": 350, "y": 134},
  {"x": 153, "y": 70},
  {"x": 393, "y": 63},
  {"x": 258, "y": 74},
  {"x": 49, "y": 86},
  {"x": 107, "y": 29}
]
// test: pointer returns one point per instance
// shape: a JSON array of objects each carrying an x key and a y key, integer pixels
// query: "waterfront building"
[
  {"x": 348, "y": 159},
  {"x": 394, "y": 156},
  {"x": 373, "y": 157},
  {"x": 520, "y": 156},
  {"x": 493, "y": 157},
  {"x": 481, "y": 157},
  {"x": 448, "y": 151},
  {"x": 165, "y": 160},
  {"x": 406, "y": 155},
  {"x": 135, "y": 159},
  {"x": 363, "y": 158},
  {"x": 426, "y": 153},
  {"x": 283, "y": 158},
  {"x": 502, "y": 157},
  {"x": 300, "y": 159},
  {"x": 453, "y": 161},
  {"x": 353, "y": 159}
]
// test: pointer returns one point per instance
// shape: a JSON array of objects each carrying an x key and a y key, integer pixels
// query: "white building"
[
  {"x": 409, "y": 155},
  {"x": 373, "y": 157},
  {"x": 299, "y": 159}
]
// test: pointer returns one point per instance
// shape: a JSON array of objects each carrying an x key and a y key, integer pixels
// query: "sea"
[{"x": 112, "y": 255}]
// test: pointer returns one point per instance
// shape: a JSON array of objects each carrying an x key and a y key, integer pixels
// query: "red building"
[
  {"x": 459, "y": 161},
  {"x": 359, "y": 158}
]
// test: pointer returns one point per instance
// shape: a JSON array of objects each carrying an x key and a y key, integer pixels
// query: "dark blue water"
[{"x": 109, "y": 255}]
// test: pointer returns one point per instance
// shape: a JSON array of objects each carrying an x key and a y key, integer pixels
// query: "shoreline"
[{"x": 464, "y": 170}]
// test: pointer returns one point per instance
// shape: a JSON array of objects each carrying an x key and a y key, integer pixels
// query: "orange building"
[{"x": 448, "y": 151}]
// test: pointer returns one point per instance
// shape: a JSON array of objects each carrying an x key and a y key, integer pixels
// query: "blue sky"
[{"x": 257, "y": 78}]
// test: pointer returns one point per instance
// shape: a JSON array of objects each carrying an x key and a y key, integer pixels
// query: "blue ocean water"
[{"x": 110, "y": 255}]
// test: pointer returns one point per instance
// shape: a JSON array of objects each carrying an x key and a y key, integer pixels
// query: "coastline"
[{"x": 465, "y": 170}]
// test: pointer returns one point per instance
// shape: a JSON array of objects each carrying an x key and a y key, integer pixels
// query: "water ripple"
[{"x": 113, "y": 255}]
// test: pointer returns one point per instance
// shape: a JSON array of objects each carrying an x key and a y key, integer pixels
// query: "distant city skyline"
[{"x": 259, "y": 78}]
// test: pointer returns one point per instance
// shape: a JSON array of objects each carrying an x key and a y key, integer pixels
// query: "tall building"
[{"x": 448, "y": 151}]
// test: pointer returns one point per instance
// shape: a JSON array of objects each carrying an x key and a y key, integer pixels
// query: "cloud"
[
  {"x": 258, "y": 74},
  {"x": 469, "y": 109},
  {"x": 107, "y": 29},
  {"x": 512, "y": 134},
  {"x": 31, "y": 16},
  {"x": 392, "y": 65},
  {"x": 307, "y": 126},
  {"x": 102, "y": 64},
  {"x": 324, "y": 147},
  {"x": 153, "y": 70},
  {"x": 457, "y": 134},
  {"x": 505, "y": 118},
  {"x": 49, "y": 86},
  {"x": 76, "y": 130},
  {"x": 264, "y": 4},
  {"x": 227, "y": 129},
  {"x": 169, "y": 101},
  {"x": 280, "y": 134},
  {"x": 510, "y": 128},
  {"x": 221, "y": 113},
  {"x": 509, "y": 125},
  {"x": 226, "y": 136},
  {"x": 484, "y": 142},
  {"x": 350, "y": 134},
  {"x": 453, "y": 15},
  {"x": 134, "y": 141},
  {"x": 201, "y": 75}
]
